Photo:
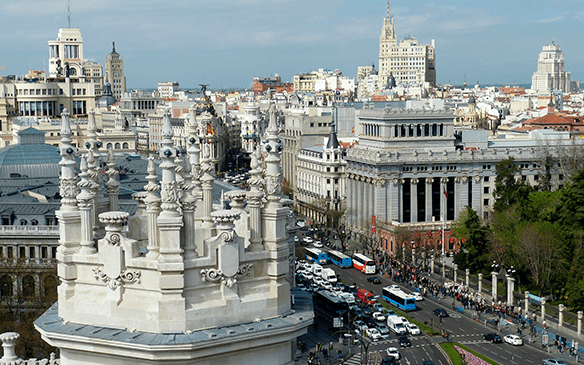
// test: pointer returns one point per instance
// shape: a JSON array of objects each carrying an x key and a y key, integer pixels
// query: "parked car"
[
  {"x": 440, "y": 312},
  {"x": 513, "y": 340},
  {"x": 493, "y": 337},
  {"x": 393, "y": 352},
  {"x": 553, "y": 362},
  {"x": 379, "y": 316},
  {"x": 413, "y": 329},
  {"x": 404, "y": 341},
  {"x": 374, "y": 280}
]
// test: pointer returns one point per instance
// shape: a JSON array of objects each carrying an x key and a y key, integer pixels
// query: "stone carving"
[
  {"x": 429, "y": 180},
  {"x": 126, "y": 277},
  {"x": 215, "y": 275},
  {"x": 477, "y": 179},
  {"x": 68, "y": 187}
]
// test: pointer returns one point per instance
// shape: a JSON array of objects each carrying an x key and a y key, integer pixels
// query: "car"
[
  {"x": 513, "y": 340},
  {"x": 335, "y": 289},
  {"x": 368, "y": 311},
  {"x": 390, "y": 312},
  {"x": 374, "y": 280},
  {"x": 383, "y": 329},
  {"x": 394, "y": 287},
  {"x": 296, "y": 239},
  {"x": 493, "y": 337},
  {"x": 379, "y": 316},
  {"x": 301, "y": 223},
  {"x": 387, "y": 361},
  {"x": 317, "y": 244},
  {"x": 369, "y": 321},
  {"x": 419, "y": 297},
  {"x": 404, "y": 341},
  {"x": 308, "y": 240},
  {"x": 360, "y": 325},
  {"x": 358, "y": 312},
  {"x": 307, "y": 275},
  {"x": 413, "y": 329},
  {"x": 342, "y": 286},
  {"x": 327, "y": 285},
  {"x": 393, "y": 352},
  {"x": 373, "y": 334},
  {"x": 553, "y": 362},
  {"x": 378, "y": 307},
  {"x": 428, "y": 363},
  {"x": 440, "y": 312}
]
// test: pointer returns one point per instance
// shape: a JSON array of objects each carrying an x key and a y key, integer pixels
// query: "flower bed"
[{"x": 470, "y": 358}]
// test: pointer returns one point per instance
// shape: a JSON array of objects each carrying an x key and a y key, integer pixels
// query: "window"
[
  {"x": 23, "y": 222},
  {"x": 34, "y": 222},
  {"x": 486, "y": 179},
  {"x": 328, "y": 181},
  {"x": 28, "y": 286},
  {"x": 6, "y": 286},
  {"x": 486, "y": 190},
  {"x": 10, "y": 253},
  {"x": 22, "y": 252},
  {"x": 486, "y": 202},
  {"x": 53, "y": 252},
  {"x": 44, "y": 252},
  {"x": 31, "y": 252}
]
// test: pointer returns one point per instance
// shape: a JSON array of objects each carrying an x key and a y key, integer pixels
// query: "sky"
[{"x": 227, "y": 43}]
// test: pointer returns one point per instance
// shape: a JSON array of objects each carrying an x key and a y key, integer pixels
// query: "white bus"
[{"x": 363, "y": 263}]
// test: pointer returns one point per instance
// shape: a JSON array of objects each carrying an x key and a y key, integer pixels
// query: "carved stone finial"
[{"x": 8, "y": 343}]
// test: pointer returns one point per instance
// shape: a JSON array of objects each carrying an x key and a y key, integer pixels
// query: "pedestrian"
[{"x": 339, "y": 353}]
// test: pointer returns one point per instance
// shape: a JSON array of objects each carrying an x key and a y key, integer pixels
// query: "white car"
[
  {"x": 373, "y": 333},
  {"x": 307, "y": 274},
  {"x": 378, "y": 316},
  {"x": 327, "y": 285},
  {"x": 317, "y": 244},
  {"x": 360, "y": 325},
  {"x": 394, "y": 287},
  {"x": 393, "y": 352},
  {"x": 419, "y": 297},
  {"x": 308, "y": 239},
  {"x": 513, "y": 340},
  {"x": 413, "y": 329}
]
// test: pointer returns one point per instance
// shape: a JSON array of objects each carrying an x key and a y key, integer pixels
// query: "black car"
[
  {"x": 440, "y": 312},
  {"x": 428, "y": 363},
  {"x": 342, "y": 286},
  {"x": 368, "y": 311},
  {"x": 493, "y": 337},
  {"x": 370, "y": 321},
  {"x": 387, "y": 361},
  {"x": 358, "y": 312},
  {"x": 404, "y": 341},
  {"x": 374, "y": 280}
]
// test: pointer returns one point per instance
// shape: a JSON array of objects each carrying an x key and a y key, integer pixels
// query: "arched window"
[
  {"x": 23, "y": 222},
  {"x": 34, "y": 222},
  {"x": 50, "y": 284},
  {"x": 125, "y": 145},
  {"x": 117, "y": 146},
  {"x": 6, "y": 286},
  {"x": 28, "y": 286},
  {"x": 109, "y": 146}
]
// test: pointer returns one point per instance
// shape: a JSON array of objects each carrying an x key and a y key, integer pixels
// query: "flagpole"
[{"x": 443, "y": 220}]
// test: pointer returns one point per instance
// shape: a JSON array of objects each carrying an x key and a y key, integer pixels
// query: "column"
[
  {"x": 152, "y": 209},
  {"x": 580, "y": 314},
  {"x": 254, "y": 199},
  {"x": 370, "y": 201},
  {"x": 480, "y": 282},
  {"x": 526, "y": 307},
  {"x": 429, "y": 182},
  {"x": 494, "y": 285},
  {"x": 455, "y": 272},
  {"x": 443, "y": 267},
  {"x": 543, "y": 309},
  {"x": 443, "y": 201},
  {"x": 8, "y": 340},
  {"x": 414, "y": 200},
  {"x": 413, "y": 256},
  {"x": 561, "y": 309},
  {"x": 84, "y": 201},
  {"x": 510, "y": 289},
  {"x": 380, "y": 200},
  {"x": 462, "y": 192},
  {"x": 477, "y": 196},
  {"x": 467, "y": 272},
  {"x": 360, "y": 195},
  {"x": 394, "y": 200}
]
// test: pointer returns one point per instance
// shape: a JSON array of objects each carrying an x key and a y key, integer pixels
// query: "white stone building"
[
  {"x": 550, "y": 75},
  {"x": 213, "y": 287}
]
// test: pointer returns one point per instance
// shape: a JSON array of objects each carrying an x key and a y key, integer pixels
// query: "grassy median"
[{"x": 455, "y": 357}]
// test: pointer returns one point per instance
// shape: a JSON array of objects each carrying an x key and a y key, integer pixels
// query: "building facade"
[
  {"x": 550, "y": 74},
  {"x": 114, "y": 72},
  {"x": 408, "y": 62}
]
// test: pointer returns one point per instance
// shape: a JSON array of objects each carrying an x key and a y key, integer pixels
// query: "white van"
[
  {"x": 329, "y": 275},
  {"x": 396, "y": 325},
  {"x": 347, "y": 297}
]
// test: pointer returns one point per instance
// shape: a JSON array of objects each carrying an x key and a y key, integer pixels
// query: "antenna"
[
  {"x": 69, "y": 13},
  {"x": 387, "y": 9}
]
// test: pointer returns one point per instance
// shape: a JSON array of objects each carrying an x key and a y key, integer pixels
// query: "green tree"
[
  {"x": 508, "y": 188},
  {"x": 469, "y": 229}
]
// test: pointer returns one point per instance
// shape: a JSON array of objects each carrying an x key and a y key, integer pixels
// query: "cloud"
[{"x": 558, "y": 18}]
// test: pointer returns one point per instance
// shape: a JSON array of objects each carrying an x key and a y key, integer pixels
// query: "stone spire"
[
  {"x": 273, "y": 174},
  {"x": 207, "y": 182},
  {"x": 194, "y": 152},
  {"x": 85, "y": 203},
  {"x": 152, "y": 208},
  {"x": 68, "y": 181},
  {"x": 189, "y": 204},
  {"x": 255, "y": 198},
  {"x": 112, "y": 185},
  {"x": 169, "y": 191}
]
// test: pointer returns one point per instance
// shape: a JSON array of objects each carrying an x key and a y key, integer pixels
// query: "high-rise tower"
[
  {"x": 550, "y": 74},
  {"x": 410, "y": 63},
  {"x": 114, "y": 72}
]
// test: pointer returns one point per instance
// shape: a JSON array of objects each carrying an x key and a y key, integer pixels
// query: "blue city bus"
[
  {"x": 399, "y": 299},
  {"x": 340, "y": 259},
  {"x": 315, "y": 255}
]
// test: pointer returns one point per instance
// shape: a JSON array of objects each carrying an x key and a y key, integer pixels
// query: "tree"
[
  {"x": 473, "y": 234},
  {"x": 539, "y": 248},
  {"x": 508, "y": 189}
]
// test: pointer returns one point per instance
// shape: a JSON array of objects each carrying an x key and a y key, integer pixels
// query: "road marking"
[{"x": 529, "y": 361}]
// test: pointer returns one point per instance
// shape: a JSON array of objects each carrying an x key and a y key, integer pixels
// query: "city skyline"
[{"x": 227, "y": 45}]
